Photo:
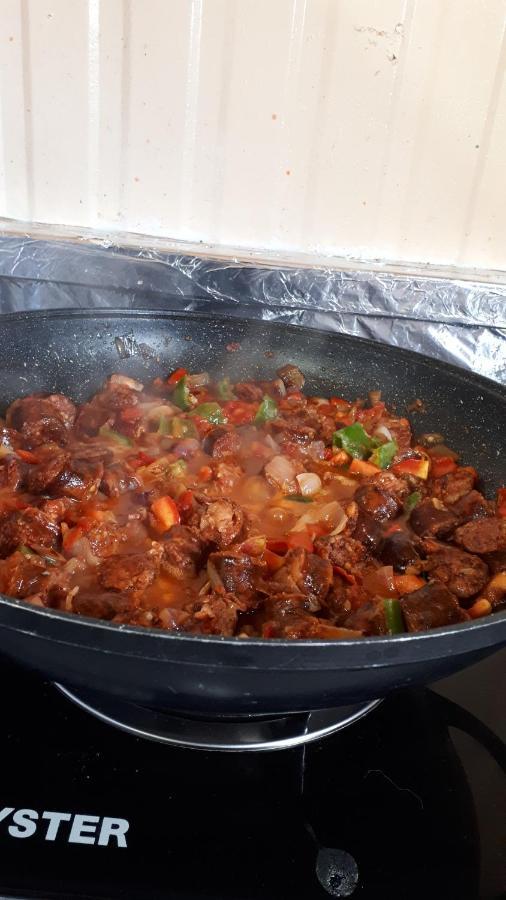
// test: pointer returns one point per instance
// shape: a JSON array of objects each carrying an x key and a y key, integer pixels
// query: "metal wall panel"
[{"x": 359, "y": 128}]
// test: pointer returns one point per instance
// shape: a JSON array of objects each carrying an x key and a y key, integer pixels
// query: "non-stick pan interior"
[{"x": 73, "y": 351}]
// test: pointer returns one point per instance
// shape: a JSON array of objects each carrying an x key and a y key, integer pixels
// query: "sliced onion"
[
  {"x": 379, "y": 582},
  {"x": 316, "y": 450},
  {"x": 161, "y": 411},
  {"x": 384, "y": 431},
  {"x": 309, "y": 483},
  {"x": 128, "y": 382},
  {"x": 186, "y": 448},
  {"x": 254, "y": 546},
  {"x": 213, "y": 576},
  {"x": 278, "y": 387},
  {"x": 198, "y": 380},
  {"x": 81, "y": 549},
  {"x": 281, "y": 471},
  {"x": 341, "y": 524},
  {"x": 331, "y": 513},
  {"x": 271, "y": 443}
]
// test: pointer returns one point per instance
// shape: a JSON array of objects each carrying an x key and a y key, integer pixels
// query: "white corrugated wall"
[{"x": 363, "y": 128}]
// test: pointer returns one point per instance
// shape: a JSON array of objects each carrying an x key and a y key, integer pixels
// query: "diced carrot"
[
  {"x": 27, "y": 456},
  {"x": 185, "y": 501},
  {"x": 480, "y": 608},
  {"x": 176, "y": 376},
  {"x": 406, "y": 584},
  {"x": 442, "y": 465},
  {"x": 341, "y": 458},
  {"x": 360, "y": 467},
  {"x": 272, "y": 560},
  {"x": 130, "y": 414},
  {"x": 205, "y": 473},
  {"x": 165, "y": 512},
  {"x": 346, "y": 576},
  {"x": 501, "y": 502},
  {"x": 417, "y": 467}
]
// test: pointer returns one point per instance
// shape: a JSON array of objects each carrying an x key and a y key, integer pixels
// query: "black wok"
[{"x": 73, "y": 351}]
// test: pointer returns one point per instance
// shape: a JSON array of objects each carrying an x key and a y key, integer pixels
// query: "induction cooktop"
[{"x": 408, "y": 801}]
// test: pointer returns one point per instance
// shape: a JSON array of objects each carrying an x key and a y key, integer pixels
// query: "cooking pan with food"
[{"x": 73, "y": 352}]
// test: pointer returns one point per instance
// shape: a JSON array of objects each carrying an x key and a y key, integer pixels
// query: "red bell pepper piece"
[
  {"x": 417, "y": 467},
  {"x": 176, "y": 376}
]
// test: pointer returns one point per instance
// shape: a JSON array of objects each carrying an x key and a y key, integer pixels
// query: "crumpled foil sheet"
[{"x": 460, "y": 321}]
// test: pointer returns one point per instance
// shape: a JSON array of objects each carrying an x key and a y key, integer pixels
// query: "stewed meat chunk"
[{"x": 243, "y": 508}]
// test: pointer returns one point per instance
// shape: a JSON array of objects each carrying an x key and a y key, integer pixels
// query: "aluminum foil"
[{"x": 460, "y": 321}]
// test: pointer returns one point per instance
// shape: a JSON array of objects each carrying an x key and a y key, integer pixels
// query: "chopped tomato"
[
  {"x": 300, "y": 539},
  {"x": 501, "y": 502},
  {"x": 325, "y": 409},
  {"x": 344, "y": 419},
  {"x": 406, "y": 584},
  {"x": 371, "y": 413},
  {"x": 442, "y": 465},
  {"x": 340, "y": 404},
  {"x": 393, "y": 528},
  {"x": 346, "y": 576},
  {"x": 166, "y": 513},
  {"x": 205, "y": 473},
  {"x": 27, "y": 456},
  {"x": 130, "y": 414},
  {"x": 185, "y": 501},
  {"x": 360, "y": 467},
  {"x": 277, "y": 546},
  {"x": 203, "y": 426},
  {"x": 142, "y": 459},
  {"x": 272, "y": 560},
  {"x": 417, "y": 467},
  {"x": 238, "y": 412},
  {"x": 328, "y": 453},
  {"x": 70, "y": 538}
]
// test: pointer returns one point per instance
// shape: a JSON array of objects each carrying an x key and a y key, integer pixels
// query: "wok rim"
[{"x": 378, "y": 642}]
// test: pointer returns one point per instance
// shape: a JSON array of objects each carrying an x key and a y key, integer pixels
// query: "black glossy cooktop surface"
[{"x": 408, "y": 803}]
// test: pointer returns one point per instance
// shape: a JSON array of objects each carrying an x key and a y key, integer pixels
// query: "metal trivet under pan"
[{"x": 244, "y": 733}]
